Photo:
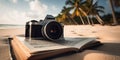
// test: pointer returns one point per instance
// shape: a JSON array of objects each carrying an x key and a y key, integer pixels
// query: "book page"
[
  {"x": 40, "y": 45},
  {"x": 77, "y": 42},
  {"x": 46, "y": 45}
]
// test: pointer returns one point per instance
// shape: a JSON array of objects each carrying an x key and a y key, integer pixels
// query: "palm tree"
[
  {"x": 94, "y": 9},
  {"x": 77, "y": 8},
  {"x": 59, "y": 18},
  {"x": 87, "y": 8},
  {"x": 65, "y": 15},
  {"x": 116, "y": 3},
  {"x": 113, "y": 12},
  {"x": 66, "y": 11}
]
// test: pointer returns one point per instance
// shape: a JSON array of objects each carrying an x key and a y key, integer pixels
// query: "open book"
[{"x": 37, "y": 49}]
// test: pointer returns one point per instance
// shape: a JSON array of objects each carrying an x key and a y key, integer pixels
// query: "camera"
[{"x": 48, "y": 28}]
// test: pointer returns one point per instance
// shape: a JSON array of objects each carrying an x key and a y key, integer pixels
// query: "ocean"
[{"x": 9, "y": 26}]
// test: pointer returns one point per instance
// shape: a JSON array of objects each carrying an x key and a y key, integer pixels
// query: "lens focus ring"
[{"x": 52, "y": 30}]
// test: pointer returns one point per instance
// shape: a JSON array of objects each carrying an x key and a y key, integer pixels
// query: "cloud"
[
  {"x": 94, "y": 1},
  {"x": 14, "y": 1},
  {"x": 54, "y": 7},
  {"x": 54, "y": 10},
  {"x": 14, "y": 17},
  {"x": 37, "y": 9},
  {"x": 27, "y": 0}
]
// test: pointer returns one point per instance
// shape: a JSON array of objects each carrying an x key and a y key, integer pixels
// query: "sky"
[{"x": 21, "y": 11}]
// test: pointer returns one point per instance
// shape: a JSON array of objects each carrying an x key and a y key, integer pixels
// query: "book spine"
[{"x": 19, "y": 50}]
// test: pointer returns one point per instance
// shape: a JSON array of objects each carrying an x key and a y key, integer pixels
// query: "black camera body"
[{"x": 48, "y": 28}]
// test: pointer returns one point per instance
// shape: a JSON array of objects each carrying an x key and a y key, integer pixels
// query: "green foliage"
[
  {"x": 79, "y": 12},
  {"x": 108, "y": 18}
]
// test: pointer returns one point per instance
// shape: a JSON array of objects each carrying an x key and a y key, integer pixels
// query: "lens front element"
[{"x": 53, "y": 30}]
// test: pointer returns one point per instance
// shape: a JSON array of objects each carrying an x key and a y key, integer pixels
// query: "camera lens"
[{"x": 52, "y": 30}]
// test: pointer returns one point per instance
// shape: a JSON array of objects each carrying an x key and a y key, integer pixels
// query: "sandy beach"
[
  {"x": 4, "y": 46},
  {"x": 108, "y": 35}
]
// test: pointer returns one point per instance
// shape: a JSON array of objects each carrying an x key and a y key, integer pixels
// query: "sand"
[
  {"x": 4, "y": 43},
  {"x": 108, "y": 35}
]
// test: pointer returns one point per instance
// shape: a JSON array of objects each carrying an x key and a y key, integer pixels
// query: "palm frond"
[{"x": 69, "y": 2}]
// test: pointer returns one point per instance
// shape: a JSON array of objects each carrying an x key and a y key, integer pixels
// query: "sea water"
[{"x": 9, "y": 26}]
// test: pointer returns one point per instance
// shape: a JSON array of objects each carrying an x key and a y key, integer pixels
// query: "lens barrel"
[{"x": 52, "y": 30}]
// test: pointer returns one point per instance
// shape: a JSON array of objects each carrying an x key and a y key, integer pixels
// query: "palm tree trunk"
[
  {"x": 113, "y": 12},
  {"x": 72, "y": 20},
  {"x": 85, "y": 15},
  {"x": 91, "y": 20},
  {"x": 82, "y": 20},
  {"x": 99, "y": 19},
  {"x": 88, "y": 20}
]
